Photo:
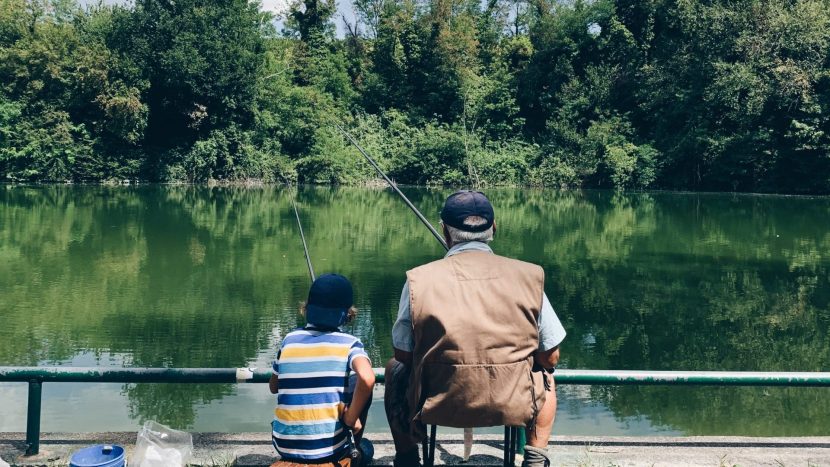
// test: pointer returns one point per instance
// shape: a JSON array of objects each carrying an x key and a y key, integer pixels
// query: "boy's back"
[{"x": 313, "y": 369}]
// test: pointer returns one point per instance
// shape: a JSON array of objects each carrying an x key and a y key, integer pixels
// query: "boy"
[{"x": 316, "y": 404}]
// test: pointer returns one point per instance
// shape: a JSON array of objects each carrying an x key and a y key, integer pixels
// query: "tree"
[{"x": 201, "y": 59}]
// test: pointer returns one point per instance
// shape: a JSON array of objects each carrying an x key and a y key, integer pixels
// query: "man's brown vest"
[{"x": 474, "y": 316}]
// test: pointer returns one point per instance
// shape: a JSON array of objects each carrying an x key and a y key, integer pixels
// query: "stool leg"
[
  {"x": 425, "y": 449},
  {"x": 432, "y": 445},
  {"x": 507, "y": 443},
  {"x": 514, "y": 439}
]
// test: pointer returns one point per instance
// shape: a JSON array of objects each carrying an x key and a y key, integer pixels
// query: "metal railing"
[{"x": 36, "y": 376}]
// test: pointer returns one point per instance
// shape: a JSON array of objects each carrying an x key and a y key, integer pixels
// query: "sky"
[
  {"x": 275, "y": 6},
  {"x": 344, "y": 8},
  {"x": 278, "y": 7}
]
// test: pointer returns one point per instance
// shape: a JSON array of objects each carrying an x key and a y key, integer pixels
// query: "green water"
[{"x": 155, "y": 276}]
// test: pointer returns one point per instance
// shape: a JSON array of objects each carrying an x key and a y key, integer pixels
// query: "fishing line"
[{"x": 302, "y": 237}]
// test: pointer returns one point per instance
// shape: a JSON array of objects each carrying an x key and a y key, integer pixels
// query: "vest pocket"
[{"x": 463, "y": 396}]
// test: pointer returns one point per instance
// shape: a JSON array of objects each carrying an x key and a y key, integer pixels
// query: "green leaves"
[
  {"x": 628, "y": 94},
  {"x": 47, "y": 146}
]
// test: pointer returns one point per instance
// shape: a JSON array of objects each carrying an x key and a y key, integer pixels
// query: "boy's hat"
[
  {"x": 463, "y": 204},
  {"x": 329, "y": 300}
]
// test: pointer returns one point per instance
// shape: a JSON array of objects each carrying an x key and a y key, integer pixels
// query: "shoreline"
[
  {"x": 254, "y": 449},
  {"x": 380, "y": 184}
]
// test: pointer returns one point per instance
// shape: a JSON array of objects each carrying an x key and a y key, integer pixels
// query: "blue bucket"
[{"x": 100, "y": 455}]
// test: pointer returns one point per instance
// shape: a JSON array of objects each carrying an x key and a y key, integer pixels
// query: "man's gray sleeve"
[
  {"x": 551, "y": 332},
  {"x": 402, "y": 335}
]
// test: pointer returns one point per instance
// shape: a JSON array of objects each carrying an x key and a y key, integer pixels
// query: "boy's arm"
[
  {"x": 274, "y": 384},
  {"x": 362, "y": 391}
]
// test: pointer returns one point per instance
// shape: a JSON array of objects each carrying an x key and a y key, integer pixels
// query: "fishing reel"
[{"x": 354, "y": 453}]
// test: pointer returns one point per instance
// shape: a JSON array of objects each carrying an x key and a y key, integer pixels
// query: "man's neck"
[{"x": 473, "y": 245}]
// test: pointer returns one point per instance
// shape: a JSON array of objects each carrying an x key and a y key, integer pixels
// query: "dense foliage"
[{"x": 629, "y": 94}]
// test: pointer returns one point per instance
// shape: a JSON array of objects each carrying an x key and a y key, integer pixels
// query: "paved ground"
[{"x": 254, "y": 449}]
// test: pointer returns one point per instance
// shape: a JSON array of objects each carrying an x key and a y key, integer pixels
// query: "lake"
[{"x": 184, "y": 276}]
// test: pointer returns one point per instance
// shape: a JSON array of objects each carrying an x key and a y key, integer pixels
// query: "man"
[{"x": 473, "y": 337}]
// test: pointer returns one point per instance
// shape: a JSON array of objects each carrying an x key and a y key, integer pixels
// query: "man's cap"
[
  {"x": 463, "y": 204},
  {"x": 329, "y": 300}
]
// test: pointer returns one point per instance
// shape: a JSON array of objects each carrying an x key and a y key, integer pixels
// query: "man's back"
[
  {"x": 466, "y": 340},
  {"x": 475, "y": 319}
]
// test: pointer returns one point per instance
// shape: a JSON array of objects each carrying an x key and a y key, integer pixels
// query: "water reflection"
[{"x": 211, "y": 277}]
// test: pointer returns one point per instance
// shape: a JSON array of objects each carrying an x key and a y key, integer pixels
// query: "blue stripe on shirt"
[
  {"x": 308, "y": 399},
  {"x": 307, "y": 429},
  {"x": 309, "y": 383},
  {"x": 312, "y": 367},
  {"x": 306, "y": 336},
  {"x": 309, "y": 444}
]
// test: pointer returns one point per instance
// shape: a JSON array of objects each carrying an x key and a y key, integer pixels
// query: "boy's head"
[{"x": 329, "y": 301}]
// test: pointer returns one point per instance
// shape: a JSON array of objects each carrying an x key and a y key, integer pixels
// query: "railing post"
[
  {"x": 522, "y": 441},
  {"x": 33, "y": 418}
]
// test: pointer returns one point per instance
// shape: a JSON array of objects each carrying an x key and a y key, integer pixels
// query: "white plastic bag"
[
  {"x": 161, "y": 446},
  {"x": 3, "y": 463}
]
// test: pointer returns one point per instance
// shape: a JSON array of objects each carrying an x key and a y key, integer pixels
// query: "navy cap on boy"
[
  {"x": 329, "y": 300},
  {"x": 463, "y": 204}
]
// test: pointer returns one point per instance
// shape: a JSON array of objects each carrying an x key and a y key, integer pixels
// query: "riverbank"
[{"x": 254, "y": 449}]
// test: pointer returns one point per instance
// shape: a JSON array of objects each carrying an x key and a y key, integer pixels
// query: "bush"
[
  {"x": 48, "y": 146},
  {"x": 436, "y": 155},
  {"x": 553, "y": 172},
  {"x": 505, "y": 164},
  {"x": 230, "y": 155}
]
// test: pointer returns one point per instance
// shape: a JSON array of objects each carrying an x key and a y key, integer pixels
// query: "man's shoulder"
[
  {"x": 485, "y": 256},
  {"x": 519, "y": 263},
  {"x": 430, "y": 265}
]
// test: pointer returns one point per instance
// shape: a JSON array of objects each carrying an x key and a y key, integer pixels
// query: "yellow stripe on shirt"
[
  {"x": 312, "y": 414},
  {"x": 315, "y": 351}
]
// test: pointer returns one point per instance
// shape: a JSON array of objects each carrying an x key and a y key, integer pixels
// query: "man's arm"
[
  {"x": 403, "y": 356},
  {"x": 362, "y": 392},
  {"x": 551, "y": 335},
  {"x": 402, "y": 336}
]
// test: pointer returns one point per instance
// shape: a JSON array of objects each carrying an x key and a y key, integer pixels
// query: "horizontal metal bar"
[
  {"x": 692, "y": 378},
  {"x": 563, "y": 376},
  {"x": 131, "y": 375}
]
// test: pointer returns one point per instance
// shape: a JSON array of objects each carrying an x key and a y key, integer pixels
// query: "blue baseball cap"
[
  {"x": 463, "y": 204},
  {"x": 329, "y": 300}
]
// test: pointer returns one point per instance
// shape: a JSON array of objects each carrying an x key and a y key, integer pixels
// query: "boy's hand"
[{"x": 352, "y": 422}]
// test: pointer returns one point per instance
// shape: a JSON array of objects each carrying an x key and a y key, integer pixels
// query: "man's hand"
[
  {"x": 549, "y": 358},
  {"x": 352, "y": 422},
  {"x": 403, "y": 356}
]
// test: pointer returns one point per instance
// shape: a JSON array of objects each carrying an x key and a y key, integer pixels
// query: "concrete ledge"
[{"x": 254, "y": 449}]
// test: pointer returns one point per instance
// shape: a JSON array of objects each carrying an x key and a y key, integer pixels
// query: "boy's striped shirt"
[{"x": 313, "y": 369}]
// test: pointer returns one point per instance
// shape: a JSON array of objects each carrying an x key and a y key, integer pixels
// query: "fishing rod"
[
  {"x": 374, "y": 164},
  {"x": 468, "y": 432},
  {"x": 302, "y": 237}
]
